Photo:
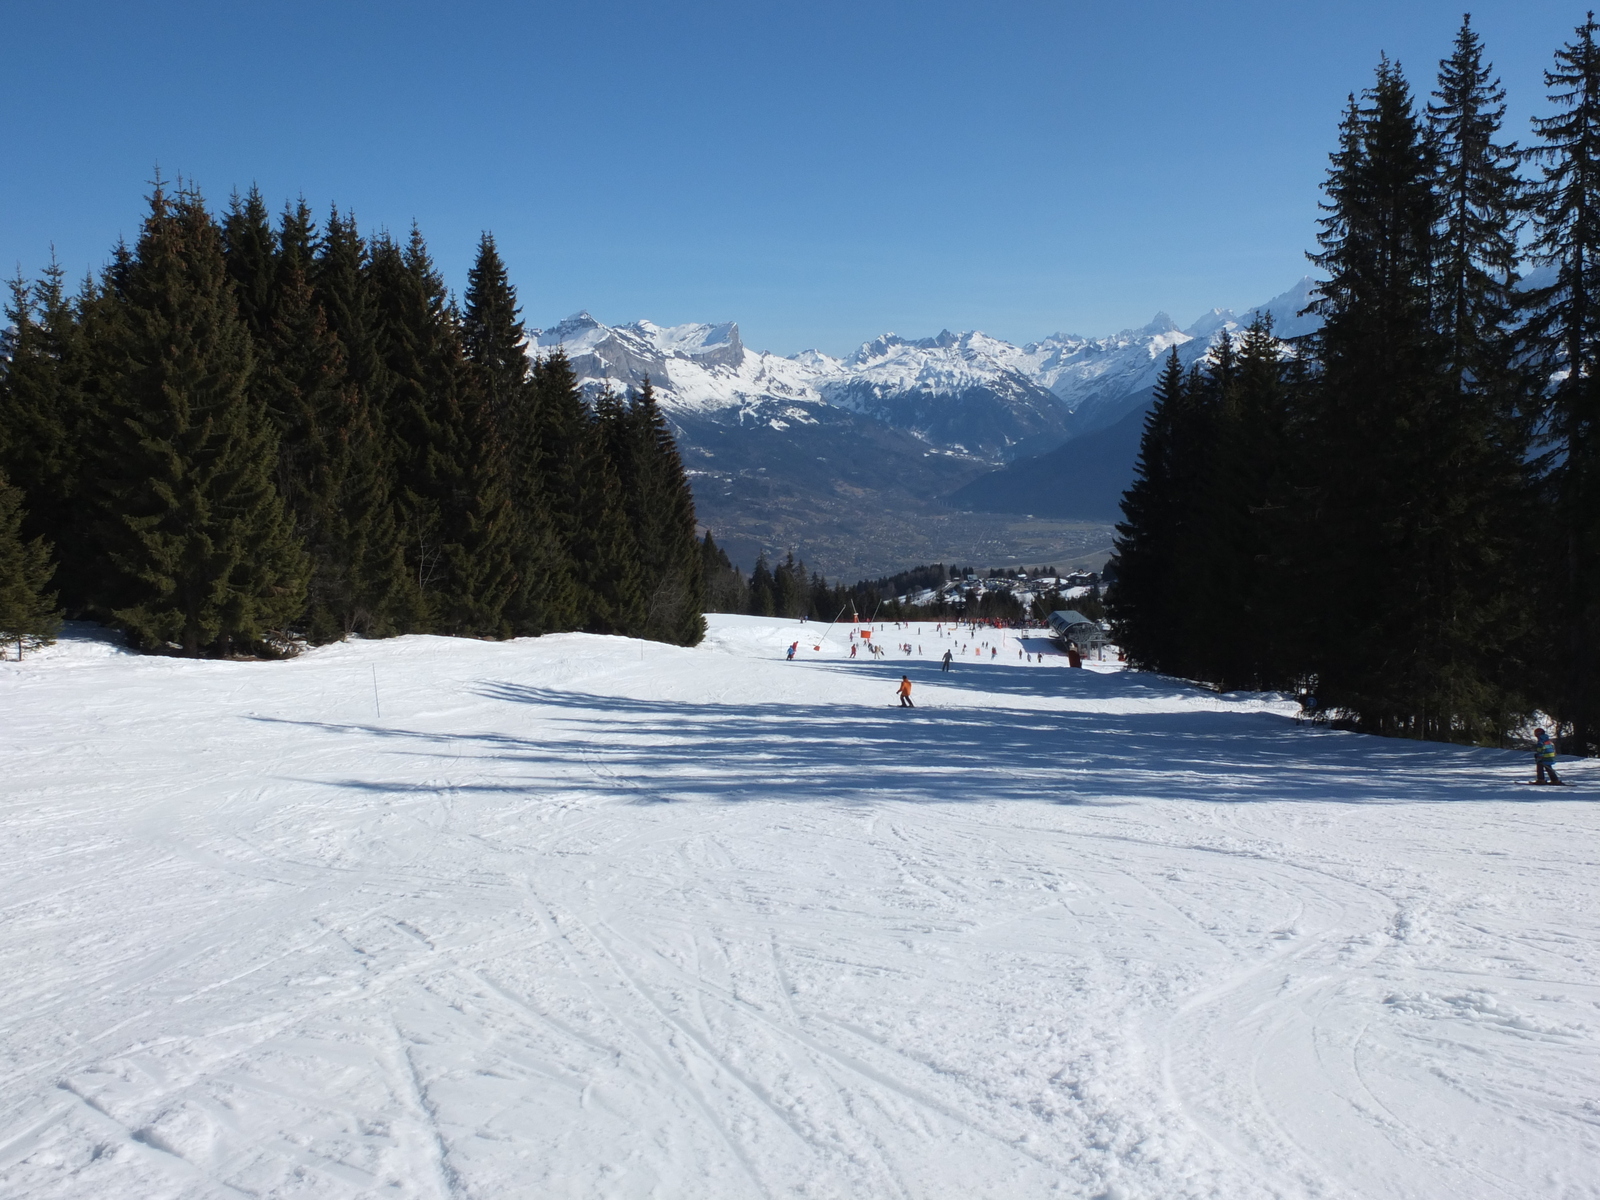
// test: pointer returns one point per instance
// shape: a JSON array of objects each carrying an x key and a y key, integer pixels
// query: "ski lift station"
[{"x": 1069, "y": 626}]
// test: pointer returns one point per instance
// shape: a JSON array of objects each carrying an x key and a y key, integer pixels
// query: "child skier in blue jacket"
[{"x": 1544, "y": 758}]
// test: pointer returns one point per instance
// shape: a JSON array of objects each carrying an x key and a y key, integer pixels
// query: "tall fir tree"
[
  {"x": 250, "y": 248},
  {"x": 660, "y": 510},
  {"x": 608, "y": 556},
  {"x": 342, "y": 286},
  {"x": 358, "y": 580},
  {"x": 362, "y": 582},
  {"x": 1255, "y": 640},
  {"x": 43, "y": 418},
  {"x": 1481, "y": 201},
  {"x": 1396, "y": 554},
  {"x": 581, "y": 494},
  {"x": 1145, "y": 600},
  {"x": 724, "y": 586},
  {"x": 421, "y": 414},
  {"x": 205, "y": 554},
  {"x": 544, "y": 595},
  {"x": 1204, "y": 564},
  {"x": 28, "y": 613},
  {"x": 1564, "y": 333},
  {"x": 762, "y": 592},
  {"x": 1479, "y": 436}
]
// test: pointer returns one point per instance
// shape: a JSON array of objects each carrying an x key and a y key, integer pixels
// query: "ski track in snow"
[{"x": 580, "y": 918}]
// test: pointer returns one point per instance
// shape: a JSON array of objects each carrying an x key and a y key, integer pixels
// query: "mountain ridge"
[
  {"x": 955, "y": 447},
  {"x": 965, "y": 392}
]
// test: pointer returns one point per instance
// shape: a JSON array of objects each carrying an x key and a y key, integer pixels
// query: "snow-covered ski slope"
[{"x": 572, "y": 917}]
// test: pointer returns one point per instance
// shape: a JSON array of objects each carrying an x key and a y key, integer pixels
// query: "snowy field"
[{"x": 572, "y": 917}]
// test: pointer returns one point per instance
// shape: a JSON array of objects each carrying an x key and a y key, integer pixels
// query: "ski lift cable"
[{"x": 831, "y": 624}]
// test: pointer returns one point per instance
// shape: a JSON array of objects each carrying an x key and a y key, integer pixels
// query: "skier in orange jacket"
[{"x": 905, "y": 692}]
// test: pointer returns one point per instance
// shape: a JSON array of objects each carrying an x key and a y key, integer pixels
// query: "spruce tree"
[
  {"x": 482, "y": 548},
  {"x": 421, "y": 413},
  {"x": 762, "y": 598},
  {"x": 660, "y": 507},
  {"x": 1480, "y": 436},
  {"x": 607, "y": 555},
  {"x": 43, "y": 419},
  {"x": 250, "y": 248},
  {"x": 1379, "y": 361},
  {"x": 1397, "y": 555},
  {"x": 334, "y": 468},
  {"x": 1564, "y": 331},
  {"x": 204, "y": 554},
  {"x": 495, "y": 340},
  {"x": 452, "y": 496},
  {"x": 1144, "y": 601},
  {"x": 1204, "y": 566},
  {"x": 1254, "y": 513},
  {"x": 724, "y": 586},
  {"x": 342, "y": 286},
  {"x": 362, "y": 582},
  {"x": 28, "y": 616},
  {"x": 1481, "y": 200},
  {"x": 582, "y": 496},
  {"x": 789, "y": 596}
]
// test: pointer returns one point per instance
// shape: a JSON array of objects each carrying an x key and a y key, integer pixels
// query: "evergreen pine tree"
[
  {"x": 1205, "y": 570},
  {"x": 1253, "y": 512},
  {"x": 789, "y": 596},
  {"x": 492, "y": 330},
  {"x": 332, "y": 470},
  {"x": 724, "y": 587},
  {"x": 1396, "y": 552},
  {"x": 660, "y": 508},
  {"x": 482, "y": 548},
  {"x": 197, "y": 533},
  {"x": 1480, "y": 198},
  {"x": 421, "y": 413},
  {"x": 362, "y": 582},
  {"x": 581, "y": 496},
  {"x": 250, "y": 248},
  {"x": 1480, "y": 443},
  {"x": 607, "y": 555},
  {"x": 1564, "y": 331},
  {"x": 43, "y": 421},
  {"x": 341, "y": 286},
  {"x": 1144, "y": 602},
  {"x": 762, "y": 597},
  {"x": 28, "y": 616}
]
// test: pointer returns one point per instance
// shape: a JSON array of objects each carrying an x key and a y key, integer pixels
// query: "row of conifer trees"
[
  {"x": 246, "y": 431},
  {"x": 1400, "y": 515}
]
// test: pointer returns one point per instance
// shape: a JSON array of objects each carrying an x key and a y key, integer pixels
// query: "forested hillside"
[
  {"x": 245, "y": 433},
  {"x": 1399, "y": 514}
]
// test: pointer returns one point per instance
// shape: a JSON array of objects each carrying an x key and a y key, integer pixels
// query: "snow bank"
[{"x": 579, "y": 917}]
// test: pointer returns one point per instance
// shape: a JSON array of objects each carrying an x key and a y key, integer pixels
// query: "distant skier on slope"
[
  {"x": 1544, "y": 758},
  {"x": 944, "y": 663},
  {"x": 905, "y": 692},
  {"x": 793, "y": 646}
]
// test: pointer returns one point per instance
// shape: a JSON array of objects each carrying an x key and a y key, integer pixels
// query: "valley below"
[
  {"x": 856, "y": 499},
  {"x": 957, "y": 448}
]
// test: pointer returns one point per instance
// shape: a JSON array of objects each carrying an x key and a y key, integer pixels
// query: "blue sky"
[{"x": 820, "y": 172}]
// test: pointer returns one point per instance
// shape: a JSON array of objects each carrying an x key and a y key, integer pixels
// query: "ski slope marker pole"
[{"x": 378, "y": 707}]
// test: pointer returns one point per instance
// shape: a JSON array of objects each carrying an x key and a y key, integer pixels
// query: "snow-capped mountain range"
[{"x": 964, "y": 394}]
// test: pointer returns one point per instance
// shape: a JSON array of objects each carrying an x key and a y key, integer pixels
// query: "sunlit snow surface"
[{"x": 579, "y": 918}]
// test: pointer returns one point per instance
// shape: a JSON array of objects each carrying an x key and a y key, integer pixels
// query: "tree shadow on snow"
[{"x": 662, "y": 750}]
